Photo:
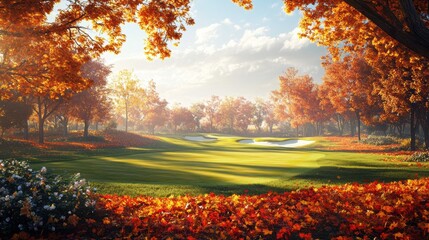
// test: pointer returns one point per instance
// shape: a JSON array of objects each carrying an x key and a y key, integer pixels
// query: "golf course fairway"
[{"x": 176, "y": 166}]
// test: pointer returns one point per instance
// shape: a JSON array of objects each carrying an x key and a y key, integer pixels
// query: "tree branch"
[{"x": 411, "y": 40}]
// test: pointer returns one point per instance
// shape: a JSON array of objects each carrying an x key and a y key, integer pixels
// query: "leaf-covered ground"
[{"x": 398, "y": 210}]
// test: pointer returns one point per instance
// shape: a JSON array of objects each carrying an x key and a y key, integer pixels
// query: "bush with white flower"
[{"x": 38, "y": 202}]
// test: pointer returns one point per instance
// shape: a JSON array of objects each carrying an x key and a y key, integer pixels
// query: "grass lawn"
[{"x": 175, "y": 166}]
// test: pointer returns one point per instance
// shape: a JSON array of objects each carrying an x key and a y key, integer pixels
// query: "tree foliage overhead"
[{"x": 45, "y": 43}]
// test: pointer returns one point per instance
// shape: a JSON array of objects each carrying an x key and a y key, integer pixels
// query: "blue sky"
[{"x": 228, "y": 52}]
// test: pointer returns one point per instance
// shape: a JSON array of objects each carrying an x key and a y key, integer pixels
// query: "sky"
[{"x": 228, "y": 52}]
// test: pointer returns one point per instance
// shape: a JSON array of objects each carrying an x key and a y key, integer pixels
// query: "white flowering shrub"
[
  {"x": 419, "y": 157},
  {"x": 37, "y": 202},
  {"x": 380, "y": 140}
]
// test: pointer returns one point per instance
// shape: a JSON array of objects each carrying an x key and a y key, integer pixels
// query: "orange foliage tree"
[
  {"x": 154, "y": 109},
  {"x": 43, "y": 44},
  {"x": 403, "y": 85},
  {"x": 89, "y": 28},
  {"x": 341, "y": 27},
  {"x": 235, "y": 113},
  {"x": 348, "y": 86},
  {"x": 211, "y": 109},
  {"x": 127, "y": 95},
  {"x": 271, "y": 118},
  {"x": 405, "y": 21},
  {"x": 298, "y": 101},
  {"x": 182, "y": 118},
  {"x": 260, "y": 113},
  {"x": 198, "y": 112},
  {"x": 93, "y": 102}
]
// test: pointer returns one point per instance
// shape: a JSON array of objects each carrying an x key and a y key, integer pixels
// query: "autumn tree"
[
  {"x": 84, "y": 29},
  {"x": 211, "y": 109},
  {"x": 297, "y": 100},
  {"x": 182, "y": 118},
  {"x": 261, "y": 112},
  {"x": 403, "y": 86},
  {"x": 198, "y": 112},
  {"x": 13, "y": 114},
  {"x": 43, "y": 44},
  {"x": 245, "y": 113},
  {"x": 235, "y": 113},
  {"x": 349, "y": 86},
  {"x": 127, "y": 93},
  {"x": 93, "y": 102},
  {"x": 227, "y": 113},
  {"x": 63, "y": 114},
  {"x": 154, "y": 108},
  {"x": 271, "y": 118}
]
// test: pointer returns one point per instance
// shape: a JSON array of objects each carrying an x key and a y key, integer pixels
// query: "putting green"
[{"x": 178, "y": 166}]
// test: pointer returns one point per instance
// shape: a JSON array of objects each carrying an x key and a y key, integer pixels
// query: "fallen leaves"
[{"x": 382, "y": 210}]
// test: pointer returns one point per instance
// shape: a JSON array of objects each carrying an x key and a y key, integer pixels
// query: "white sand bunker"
[
  {"x": 199, "y": 138},
  {"x": 287, "y": 144}
]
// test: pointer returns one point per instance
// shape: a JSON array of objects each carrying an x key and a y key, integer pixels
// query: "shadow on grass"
[
  {"x": 341, "y": 175},
  {"x": 176, "y": 190}
]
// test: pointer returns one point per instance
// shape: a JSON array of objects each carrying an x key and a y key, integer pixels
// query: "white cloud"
[
  {"x": 256, "y": 40},
  {"x": 227, "y": 21},
  {"x": 294, "y": 42},
  {"x": 247, "y": 64},
  {"x": 274, "y": 5},
  {"x": 207, "y": 34}
]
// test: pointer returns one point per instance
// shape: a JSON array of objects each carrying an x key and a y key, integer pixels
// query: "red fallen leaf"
[
  {"x": 305, "y": 235},
  {"x": 388, "y": 209},
  {"x": 190, "y": 220},
  {"x": 106, "y": 221},
  {"x": 266, "y": 231},
  {"x": 281, "y": 234},
  {"x": 164, "y": 222},
  {"x": 384, "y": 235},
  {"x": 119, "y": 210},
  {"x": 343, "y": 238},
  {"x": 398, "y": 235},
  {"x": 296, "y": 227}
]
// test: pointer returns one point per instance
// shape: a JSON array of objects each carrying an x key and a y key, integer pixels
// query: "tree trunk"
[
  {"x": 85, "y": 129},
  {"x": 65, "y": 124},
  {"x": 41, "y": 129},
  {"x": 352, "y": 128},
  {"x": 412, "y": 127},
  {"x": 126, "y": 117},
  {"x": 340, "y": 124},
  {"x": 26, "y": 131},
  {"x": 424, "y": 122},
  {"x": 358, "y": 124}
]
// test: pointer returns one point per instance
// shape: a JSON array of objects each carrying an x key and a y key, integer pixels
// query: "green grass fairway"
[{"x": 175, "y": 166}]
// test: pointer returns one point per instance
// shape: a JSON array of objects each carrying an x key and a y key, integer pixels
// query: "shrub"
[
  {"x": 37, "y": 202},
  {"x": 405, "y": 144},
  {"x": 380, "y": 140},
  {"x": 419, "y": 157},
  {"x": 112, "y": 125}
]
